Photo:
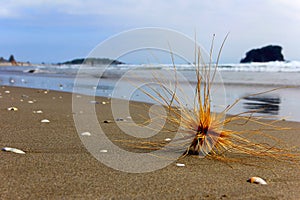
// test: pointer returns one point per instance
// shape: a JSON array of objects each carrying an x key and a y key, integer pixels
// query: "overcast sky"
[{"x": 59, "y": 30}]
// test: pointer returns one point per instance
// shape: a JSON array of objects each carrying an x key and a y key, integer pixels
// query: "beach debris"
[
  {"x": 45, "y": 121},
  {"x": 104, "y": 102},
  {"x": 103, "y": 151},
  {"x": 257, "y": 180},
  {"x": 46, "y": 91},
  {"x": 168, "y": 139},
  {"x": 180, "y": 165},
  {"x": 94, "y": 102},
  {"x": 37, "y": 111},
  {"x": 14, "y": 150},
  {"x": 86, "y": 134},
  {"x": 120, "y": 120},
  {"x": 107, "y": 121},
  {"x": 12, "y": 109},
  {"x": 31, "y": 71},
  {"x": 30, "y": 102},
  {"x": 6, "y": 91}
]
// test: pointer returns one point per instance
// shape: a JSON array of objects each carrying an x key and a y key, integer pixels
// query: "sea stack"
[{"x": 264, "y": 54}]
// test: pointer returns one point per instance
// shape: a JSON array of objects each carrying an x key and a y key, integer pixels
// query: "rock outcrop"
[
  {"x": 12, "y": 60},
  {"x": 264, "y": 54}
]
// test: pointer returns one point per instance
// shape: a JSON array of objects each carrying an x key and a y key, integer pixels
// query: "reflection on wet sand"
[{"x": 264, "y": 104}]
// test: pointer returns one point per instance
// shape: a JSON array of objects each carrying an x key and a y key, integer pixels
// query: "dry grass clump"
[{"x": 206, "y": 133}]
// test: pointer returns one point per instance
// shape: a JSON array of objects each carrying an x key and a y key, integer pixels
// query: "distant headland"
[
  {"x": 11, "y": 61},
  {"x": 92, "y": 61}
]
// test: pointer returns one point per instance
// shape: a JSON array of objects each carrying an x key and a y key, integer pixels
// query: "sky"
[{"x": 53, "y": 31}]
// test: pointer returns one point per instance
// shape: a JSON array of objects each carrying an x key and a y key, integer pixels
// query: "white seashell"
[
  {"x": 103, "y": 151},
  {"x": 257, "y": 180},
  {"x": 30, "y": 102},
  {"x": 168, "y": 139},
  {"x": 45, "y": 121},
  {"x": 37, "y": 111},
  {"x": 180, "y": 165},
  {"x": 103, "y": 102},
  {"x": 14, "y": 150},
  {"x": 12, "y": 109},
  {"x": 7, "y": 91},
  {"x": 86, "y": 134}
]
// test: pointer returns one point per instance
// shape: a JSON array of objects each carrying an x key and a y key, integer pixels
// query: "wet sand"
[{"x": 57, "y": 165}]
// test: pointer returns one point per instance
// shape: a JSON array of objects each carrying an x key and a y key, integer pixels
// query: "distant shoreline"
[{"x": 3, "y": 64}]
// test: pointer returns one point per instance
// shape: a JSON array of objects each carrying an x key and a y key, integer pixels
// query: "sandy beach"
[{"x": 58, "y": 166}]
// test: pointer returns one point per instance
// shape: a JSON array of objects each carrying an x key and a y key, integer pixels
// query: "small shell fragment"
[
  {"x": 14, "y": 150},
  {"x": 7, "y": 92},
  {"x": 180, "y": 165},
  {"x": 37, "y": 111},
  {"x": 103, "y": 151},
  {"x": 12, "y": 109},
  {"x": 30, "y": 102},
  {"x": 86, "y": 134},
  {"x": 45, "y": 121},
  {"x": 257, "y": 180},
  {"x": 168, "y": 139}
]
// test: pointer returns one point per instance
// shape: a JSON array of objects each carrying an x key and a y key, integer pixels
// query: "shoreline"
[{"x": 57, "y": 165}]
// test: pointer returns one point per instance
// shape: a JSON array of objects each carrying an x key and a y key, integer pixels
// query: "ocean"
[{"x": 232, "y": 82}]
